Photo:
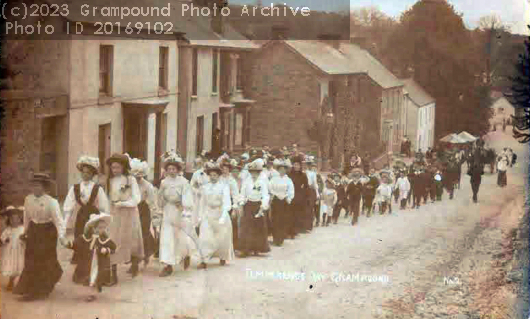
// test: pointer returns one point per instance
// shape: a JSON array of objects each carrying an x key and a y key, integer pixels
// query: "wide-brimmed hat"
[
  {"x": 95, "y": 218},
  {"x": 256, "y": 165},
  {"x": 42, "y": 178},
  {"x": 211, "y": 167},
  {"x": 92, "y": 162},
  {"x": 122, "y": 159},
  {"x": 9, "y": 210},
  {"x": 172, "y": 158},
  {"x": 138, "y": 167},
  {"x": 357, "y": 170}
]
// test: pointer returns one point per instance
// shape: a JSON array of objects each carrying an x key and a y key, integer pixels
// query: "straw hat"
[
  {"x": 42, "y": 178},
  {"x": 92, "y": 162},
  {"x": 137, "y": 168},
  {"x": 256, "y": 165},
  {"x": 95, "y": 218},
  {"x": 122, "y": 159},
  {"x": 172, "y": 158},
  {"x": 211, "y": 167},
  {"x": 12, "y": 210}
]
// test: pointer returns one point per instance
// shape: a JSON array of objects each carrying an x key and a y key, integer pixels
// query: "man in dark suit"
[{"x": 353, "y": 192}]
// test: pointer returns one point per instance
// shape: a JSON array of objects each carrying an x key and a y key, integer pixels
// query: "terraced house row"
[{"x": 146, "y": 93}]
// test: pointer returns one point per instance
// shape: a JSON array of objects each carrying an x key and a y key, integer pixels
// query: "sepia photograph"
[{"x": 295, "y": 159}]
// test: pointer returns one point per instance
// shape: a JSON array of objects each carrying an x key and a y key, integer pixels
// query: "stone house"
[
  {"x": 420, "y": 116},
  {"x": 297, "y": 83}
]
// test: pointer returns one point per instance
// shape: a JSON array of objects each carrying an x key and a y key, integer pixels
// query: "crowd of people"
[{"x": 229, "y": 207}]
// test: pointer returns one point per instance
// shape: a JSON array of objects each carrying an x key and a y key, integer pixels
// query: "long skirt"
[
  {"x": 280, "y": 220},
  {"x": 502, "y": 180},
  {"x": 215, "y": 239},
  {"x": 81, "y": 218},
  {"x": 177, "y": 236},
  {"x": 126, "y": 232},
  {"x": 253, "y": 234},
  {"x": 312, "y": 212},
  {"x": 299, "y": 209},
  {"x": 41, "y": 267},
  {"x": 145, "y": 221},
  {"x": 235, "y": 228}
]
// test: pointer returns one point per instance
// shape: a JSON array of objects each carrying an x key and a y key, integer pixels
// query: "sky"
[{"x": 514, "y": 13}]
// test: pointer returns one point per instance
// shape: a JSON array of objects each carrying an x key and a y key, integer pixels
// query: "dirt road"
[{"x": 434, "y": 262}]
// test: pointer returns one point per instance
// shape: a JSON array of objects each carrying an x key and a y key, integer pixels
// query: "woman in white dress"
[
  {"x": 177, "y": 235},
  {"x": 125, "y": 228},
  {"x": 228, "y": 179},
  {"x": 281, "y": 188},
  {"x": 85, "y": 198},
  {"x": 215, "y": 236}
]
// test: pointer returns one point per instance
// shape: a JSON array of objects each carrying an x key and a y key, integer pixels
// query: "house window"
[
  {"x": 215, "y": 66},
  {"x": 200, "y": 134},
  {"x": 194, "y": 72},
  {"x": 163, "y": 61},
  {"x": 239, "y": 77},
  {"x": 105, "y": 69}
]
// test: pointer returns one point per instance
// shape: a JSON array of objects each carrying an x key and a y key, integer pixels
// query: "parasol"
[
  {"x": 452, "y": 139},
  {"x": 465, "y": 136}
]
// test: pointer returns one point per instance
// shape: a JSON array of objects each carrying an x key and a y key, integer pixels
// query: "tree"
[
  {"x": 521, "y": 96},
  {"x": 434, "y": 43}
]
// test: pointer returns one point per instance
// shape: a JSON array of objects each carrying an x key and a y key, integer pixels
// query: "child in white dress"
[
  {"x": 328, "y": 200},
  {"x": 12, "y": 245}
]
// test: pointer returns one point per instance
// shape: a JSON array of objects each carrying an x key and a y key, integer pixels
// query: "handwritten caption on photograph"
[{"x": 313, "y": 276}]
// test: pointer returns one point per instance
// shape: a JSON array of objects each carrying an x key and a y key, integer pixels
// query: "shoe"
[
  {"x": 222, "y": 262},
  {"x": 114, "y": 276},
  {"x": 10, "y": 286},
  {"x": 168, "y": 270},
  {"x": 99, "y": 288},
  {"x": 202, "y": 266},
  {"x": 90, "y": 298},
  {"x": 317, "y": 224},
  {"x": 186, "y": 262}
]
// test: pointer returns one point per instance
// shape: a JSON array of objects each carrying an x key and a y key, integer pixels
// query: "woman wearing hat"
[
  {"x": 85, "y": 198},
  {"x": 12, "y": 246},
  {"x": 125, "y": 228},
  {"x": 301, "y": 191},
  {"x": 281, "y": 188},
  {"x": 176, "y": 200},
  {"x": 253, "y": 234},
  {"x": 230, "y": 181},
  {"x": 147, "y": 208},
  {"x": 43, "y": 224},
  {"x": 215, "y": 237}
]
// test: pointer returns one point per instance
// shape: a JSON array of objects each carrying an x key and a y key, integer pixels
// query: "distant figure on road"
[{"x": 475, "y": 172}]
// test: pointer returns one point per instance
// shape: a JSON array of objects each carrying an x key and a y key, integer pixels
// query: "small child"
[
  {"x": 438, "y": 185},
  {"x": 94, "y": 248},
  {"x": 384, "y": 193},
  {"x": 327, "y": 202},
  {"x": 12, "y": 245}
]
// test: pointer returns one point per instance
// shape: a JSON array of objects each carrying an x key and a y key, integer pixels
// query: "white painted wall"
[
  {"x": 205, "y": 103},
  {"x": 135, "y": 76}
]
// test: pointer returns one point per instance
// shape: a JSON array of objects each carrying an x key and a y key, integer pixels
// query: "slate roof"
[
  {"x": 417, "y": 93},
  {"x": 347, "y": 59}
]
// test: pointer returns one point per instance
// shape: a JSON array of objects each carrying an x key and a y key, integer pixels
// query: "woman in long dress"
[
  {"x": 125, "y": 228},
  {"x": 177, "y": 235},
  {"x": 43, "y": 224},
  {"x": 228, "y": 179},
  {"x": 253, "y": 234},
  {"x": 147, "y": 207},
  {"x": 215, "y": 236},
  {"x": 281, "y": 188},
  {"x": 85, "y": 198},
  {"x": 502, "y": 167}
]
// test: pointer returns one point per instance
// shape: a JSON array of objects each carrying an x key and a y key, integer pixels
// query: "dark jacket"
[
  {"x": 301, "y": 186},
  {"x": 354, "y": 191}
]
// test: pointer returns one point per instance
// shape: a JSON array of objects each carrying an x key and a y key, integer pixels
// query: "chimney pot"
[
  {"x": 360, "y": 41},
  {"x": 279, "y": 32}
]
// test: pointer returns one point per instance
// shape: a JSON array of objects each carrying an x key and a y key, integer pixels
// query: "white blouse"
[
  {"x": 231, "y": 182},
  {"x": 216, "y": 196},
  {"x": 282, "y": 187},
  {"x": 329, "y": 197},
  {"x": 255, "y": 191},
  {"x": 43, "y": 209},
  {"x": 199, "y": 179},
  {"x": 125, "y": 189},
  {"x": 175, "y": 190},
  {"x": 85, "y": 190},
  {"x": 312, "y": 180}
]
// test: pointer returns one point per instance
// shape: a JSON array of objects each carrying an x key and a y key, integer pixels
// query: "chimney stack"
[
  {"x": 279, "y": 32},
  {"x": 217, "y": 21},
  {"x": 330, "y": 39}
]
